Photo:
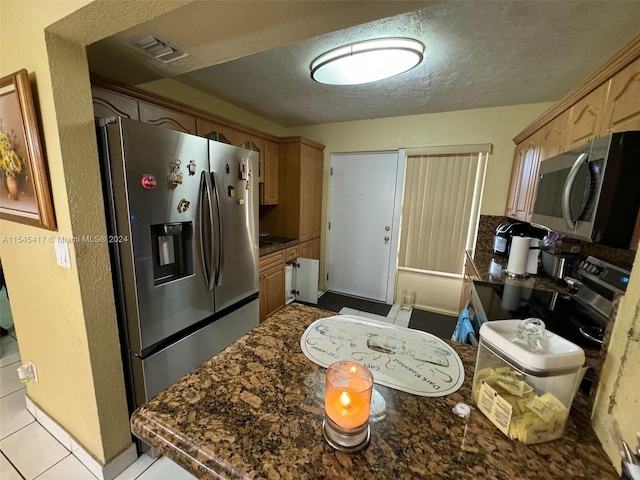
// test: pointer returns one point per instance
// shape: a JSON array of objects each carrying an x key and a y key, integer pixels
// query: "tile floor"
[
  {"x": 396, "y": 315},
  {"x": 28, "y": 451}
]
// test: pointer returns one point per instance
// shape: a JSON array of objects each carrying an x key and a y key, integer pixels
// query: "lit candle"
[{"x": 347, "y": 404}]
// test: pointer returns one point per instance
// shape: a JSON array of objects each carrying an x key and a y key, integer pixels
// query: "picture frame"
[{"x": 25, "y": 192}]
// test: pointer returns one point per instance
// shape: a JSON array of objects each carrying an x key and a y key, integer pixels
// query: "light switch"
[{"x": 63, "y": 258}]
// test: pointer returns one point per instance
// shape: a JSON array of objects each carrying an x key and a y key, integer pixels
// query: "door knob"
[{"x": 386, "y": 239}]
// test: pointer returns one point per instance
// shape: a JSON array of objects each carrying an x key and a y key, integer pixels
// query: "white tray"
[{"x": 405, "y": 359}]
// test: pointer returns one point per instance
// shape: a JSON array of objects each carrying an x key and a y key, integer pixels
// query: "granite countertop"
[
  {"x": 276, "y": 247},
  {"x": 255, "y": 411},
  {"x": 491, "y": 268}
]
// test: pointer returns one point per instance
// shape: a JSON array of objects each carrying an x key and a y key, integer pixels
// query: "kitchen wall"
[
  {"x": 64, "y": 318},
  {"x": 619, "y": 390},
  {"x": 496, "y": 125},
  {"x": 490, "y": 125},
  {"x": 72, "y": 344}
]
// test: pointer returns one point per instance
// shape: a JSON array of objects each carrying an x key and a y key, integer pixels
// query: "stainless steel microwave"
[{"x": 592, "y": 192}]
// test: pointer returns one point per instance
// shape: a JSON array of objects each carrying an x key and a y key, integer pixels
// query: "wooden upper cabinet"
[
  {"x": 514, "y": 184},
  {"x": 109, "y": 104},
  {"x": 310, "y": 192},
  {"x": 524, "y": 174},
  {"x": 224, "y": 133},
  {"x": 553, "y": 136},
  {"x": 300, "y": 198},
  {"x": 255, "y": 144},
  {"x": 270, "y": 187},
  {"x": 622, "y": 112},
  {"x": 586, "y": 117},
  {"x": 316, "y": 205},
  {"x": 533, "y": 156},
  {"x": 166, "y": 118}
]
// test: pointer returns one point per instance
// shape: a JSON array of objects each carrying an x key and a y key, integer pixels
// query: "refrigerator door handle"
[
  {"x": 219, "y": 230},
  {"x": 206, "y": 253}
]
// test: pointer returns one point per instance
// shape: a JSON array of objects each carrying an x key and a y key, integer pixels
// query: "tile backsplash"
[{"x": 616, "y": 256}]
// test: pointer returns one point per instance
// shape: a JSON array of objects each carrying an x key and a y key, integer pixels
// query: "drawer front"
[
  {"x": 292, "y": 253},
  {"x": 271, "y": 260}
]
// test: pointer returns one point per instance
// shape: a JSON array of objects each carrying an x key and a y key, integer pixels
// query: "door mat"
[{"x": 407, "y": 360}]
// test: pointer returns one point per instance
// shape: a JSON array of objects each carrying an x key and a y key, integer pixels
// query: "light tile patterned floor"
[
  {"x": 28, "y": 451},
  {"x": 396, "y": 316}
]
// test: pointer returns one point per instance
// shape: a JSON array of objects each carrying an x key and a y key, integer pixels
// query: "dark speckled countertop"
[
  {"x": 276, "y": 247},
  {"x": 491, "y": 268},
  {"x": 255, "y": 411}
]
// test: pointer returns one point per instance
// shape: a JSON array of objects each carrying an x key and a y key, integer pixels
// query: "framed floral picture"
[{"x": 25, "y": 194}]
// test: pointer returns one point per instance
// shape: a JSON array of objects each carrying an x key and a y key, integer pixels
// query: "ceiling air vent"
[{"x": 159, "y": 49}]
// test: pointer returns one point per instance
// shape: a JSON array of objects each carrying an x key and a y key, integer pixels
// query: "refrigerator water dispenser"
[{"x": 171, "y": 248}]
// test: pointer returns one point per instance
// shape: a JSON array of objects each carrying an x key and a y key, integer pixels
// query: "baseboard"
[
  {"x": 103, "y": 472},
  {"x": 437, "y": 310}
]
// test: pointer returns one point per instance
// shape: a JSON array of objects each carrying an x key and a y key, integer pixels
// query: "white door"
[{"x": 362, "y": 231}]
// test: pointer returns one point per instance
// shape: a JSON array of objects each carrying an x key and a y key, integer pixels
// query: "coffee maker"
[{"x": 510, "y": 228}]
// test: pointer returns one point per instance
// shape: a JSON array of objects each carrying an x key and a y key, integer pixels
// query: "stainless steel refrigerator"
[{"x": 182, "y": 215}]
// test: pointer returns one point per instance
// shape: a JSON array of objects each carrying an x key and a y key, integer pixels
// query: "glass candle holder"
[{"x": 347, "y": 404}]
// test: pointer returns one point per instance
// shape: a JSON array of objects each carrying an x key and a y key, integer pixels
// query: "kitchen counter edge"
[{"x": 234, "y": 417}]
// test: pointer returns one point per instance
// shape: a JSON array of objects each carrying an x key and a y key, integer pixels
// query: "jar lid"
[{"x": 534, "y": 348}]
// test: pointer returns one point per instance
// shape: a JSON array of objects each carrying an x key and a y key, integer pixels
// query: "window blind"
[{"x": 440, "y": 211}]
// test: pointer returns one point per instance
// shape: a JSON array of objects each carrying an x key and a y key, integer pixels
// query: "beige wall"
[
  {"x": 621, "y": 373},
  {"x": 65, "y": 319},
  {"x": 436, "y": 293},
  {"x": 46, "y": 300},
  {"x": 169, "y": 88},
  {"x": 496, "y": 125}
]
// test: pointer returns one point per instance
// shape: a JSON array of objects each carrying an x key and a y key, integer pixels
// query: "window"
[{"x": 441, "y": 206}]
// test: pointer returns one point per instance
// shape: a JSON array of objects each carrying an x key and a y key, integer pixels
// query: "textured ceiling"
[{"x": 478, "y": 54}]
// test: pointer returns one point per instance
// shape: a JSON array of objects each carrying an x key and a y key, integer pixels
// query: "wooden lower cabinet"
[
  {"x": 292, "y": 253},
  {"x": 271, "y": 291},
  {"x": 310, "y": 249},
  {"x": 315, "y": 249},
  {"x": 272, "y": 274},
  {"x": 272, "y": 283}
]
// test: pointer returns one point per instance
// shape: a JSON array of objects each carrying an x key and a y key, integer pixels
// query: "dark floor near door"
[
  {"x": 336, "y": 302},
  {"x": 434, "y": 323}
]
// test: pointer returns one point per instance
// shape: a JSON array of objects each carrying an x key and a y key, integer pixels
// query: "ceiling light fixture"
[{"x": 367, "y": 61}]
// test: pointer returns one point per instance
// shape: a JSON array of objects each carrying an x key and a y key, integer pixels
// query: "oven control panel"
[{"x": 603, "y": 275}]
